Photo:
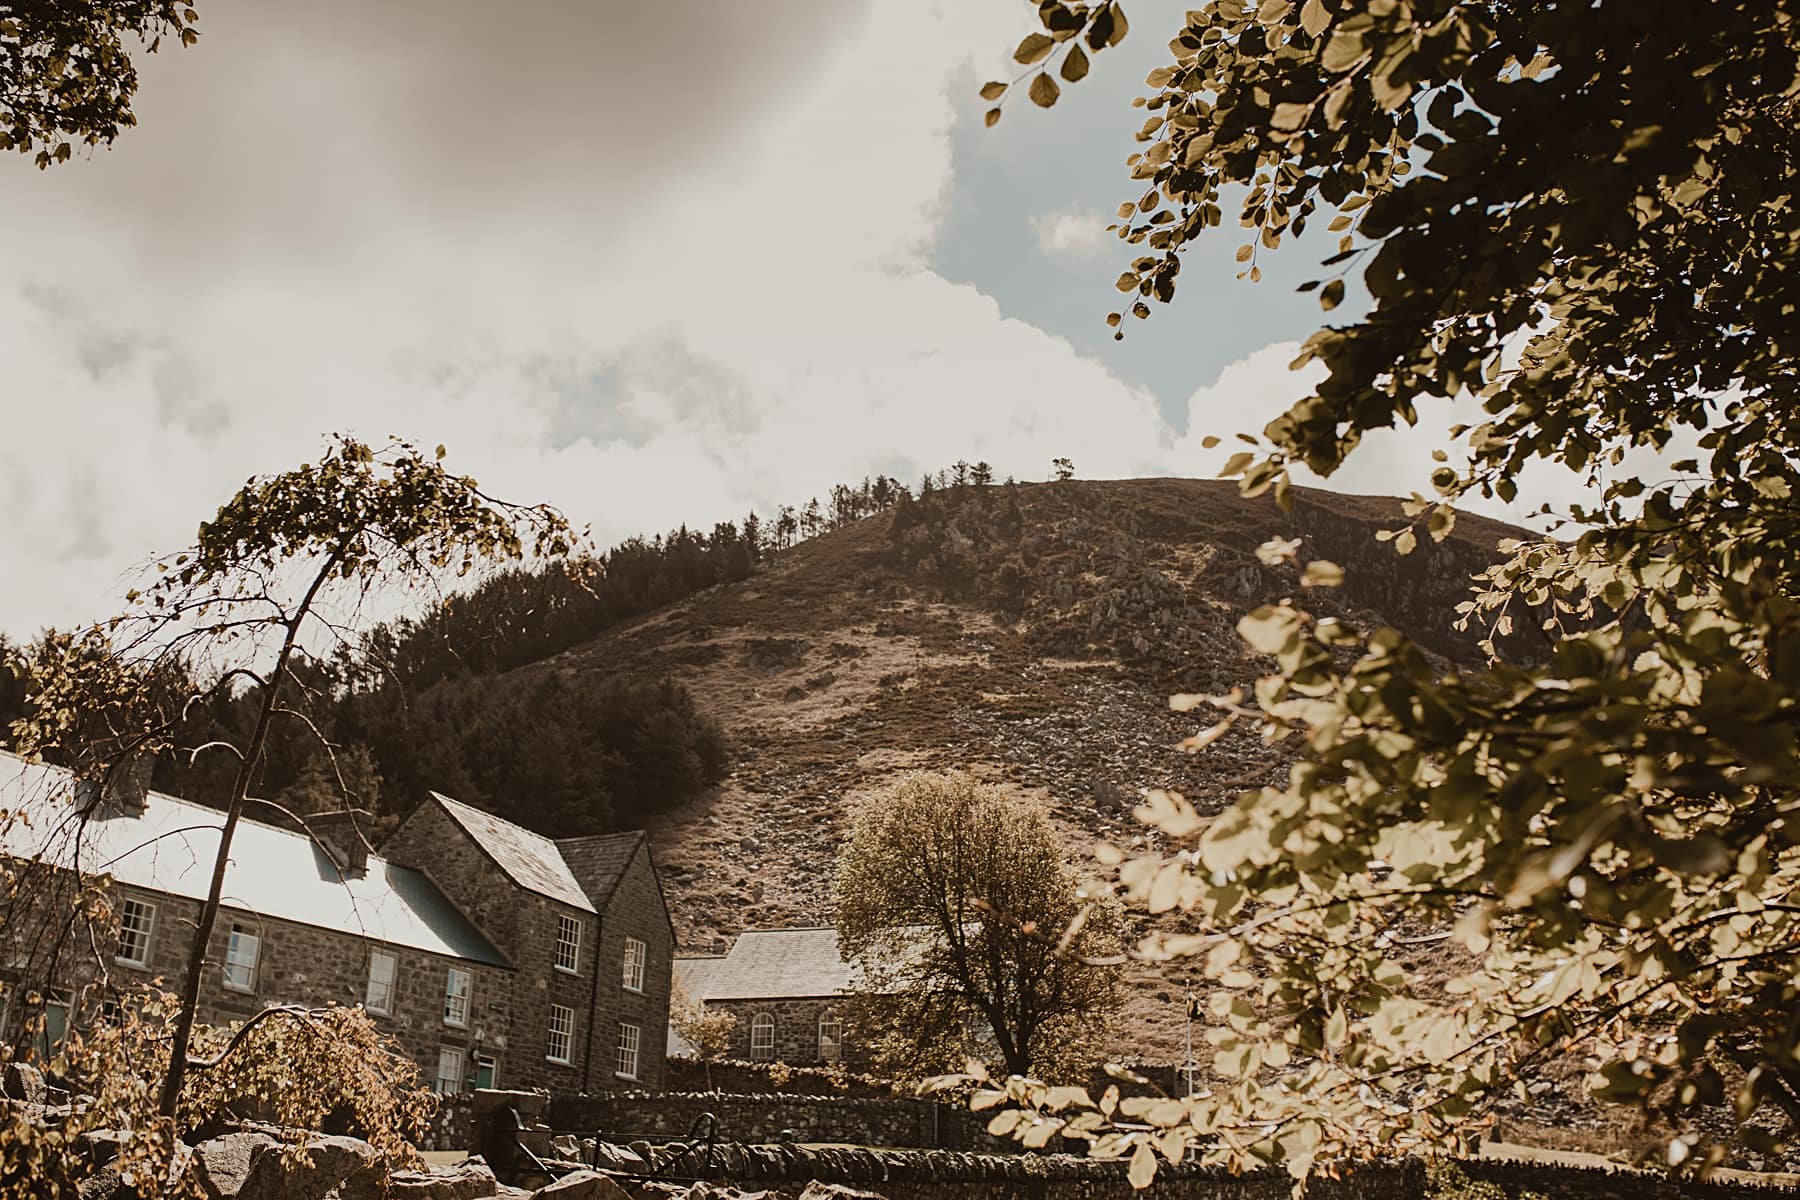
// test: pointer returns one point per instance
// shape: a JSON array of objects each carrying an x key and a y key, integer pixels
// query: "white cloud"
[
  {"x": 1072, "y": 233},
  {"x": 646, "y": 312}
]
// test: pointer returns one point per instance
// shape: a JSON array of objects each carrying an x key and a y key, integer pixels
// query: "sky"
[{"x": 652, "y": 263}]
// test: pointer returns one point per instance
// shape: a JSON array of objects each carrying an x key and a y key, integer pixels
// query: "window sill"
[
  {"x": 636, "y": 991},
  {"x": 134, "y": 964},
  {"x": 575, "y": 970},
  {"x": 623, "y": 1075},
  {"x": 239, "y": 988},
  {"x": 558, "y": 1062},
  {"x": 449, "y": 1024}
]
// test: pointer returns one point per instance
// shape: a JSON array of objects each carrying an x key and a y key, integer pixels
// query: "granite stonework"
[
  {"x": 890, "y": 1121},
  {"x": 796, "y": 1040},
  {"x": 504, "y": 1038}
]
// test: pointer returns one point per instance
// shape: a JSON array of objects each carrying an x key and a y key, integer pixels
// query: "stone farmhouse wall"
[
  {"x": 761, "y": 1078},
  {"x": 796, "y": 1029},
  {"x": 303, "y": 964},
  {"x": 636, "y": 910},
  {"x": 772, "y": 1118},
  {"x": 523, "y": 926}
]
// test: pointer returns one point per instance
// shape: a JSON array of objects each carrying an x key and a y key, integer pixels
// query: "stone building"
[
  {"x": 790, "y": 991},
  {"x": 492, "y": 955}
]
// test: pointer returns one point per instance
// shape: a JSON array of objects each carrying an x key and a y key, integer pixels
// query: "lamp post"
[{"x": 1193, "y": 1010}]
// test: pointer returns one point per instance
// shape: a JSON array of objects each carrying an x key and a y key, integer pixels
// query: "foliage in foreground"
[
  {"x": 298, "y": 1069},
  {"x": 66, "y": 75},
  {"x": 1577, "y": 226},
  {"x": 951, "y": 897}
]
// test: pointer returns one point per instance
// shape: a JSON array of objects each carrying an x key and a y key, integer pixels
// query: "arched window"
[
  {"x": 831, "y": 1036},
  {"x": 762, "y": 1037}
]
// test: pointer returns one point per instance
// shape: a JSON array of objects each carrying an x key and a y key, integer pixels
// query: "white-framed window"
[
  {"x": 487, "y": 1070},
  {"x": 450, "y": 1071},
  {"x": 240, "y": 958},
  {"x": 562, "y": 1034},
  {"x": 136, "y": 920},
  {"x": 456, "y": 997},
  {"x": 762, "y": 1037},
  {"x": 380, "y": 996},
  {"x": 568, "y": 943},
  {"x": 831, "y": 1036},
  {"x": 636, "y": 954},
  {"x": 629, "y": 1036}
]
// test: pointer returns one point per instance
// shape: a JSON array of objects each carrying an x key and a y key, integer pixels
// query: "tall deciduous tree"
[
  {"x": 1577, "y": 223},
  {"x": 66, "y": 75},
  {"x": 280, "y": 572},
  {"x": 958, "y": 904}
]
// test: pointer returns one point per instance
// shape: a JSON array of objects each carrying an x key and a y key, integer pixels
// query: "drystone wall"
[
  {"x": 945, "y": 1175},
  {"x": 773, "y": 1119}
]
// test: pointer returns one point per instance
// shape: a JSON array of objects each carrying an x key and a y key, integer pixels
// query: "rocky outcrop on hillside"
[{"x": 1029, "y": 634}]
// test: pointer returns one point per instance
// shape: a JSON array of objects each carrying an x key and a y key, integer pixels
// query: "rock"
[
  {"x": 222, "y": 1164},
  {"x": 836, "y": 1191},
  {"x": 566, "y": 1146},
  {"x": 530, "y": 1105},
  {"x": 583, "y": 1185},
  {"x": 618, "y": 1158},
  {"x": 102, "y": 1185},
  {"x": 318, "y": 1167},
  {"x": 103, "y": 1145},
  {"x": 22, "y": 1081},
  {"x": 469, "y": 1179}
]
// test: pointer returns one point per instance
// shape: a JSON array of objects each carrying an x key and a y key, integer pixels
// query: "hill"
[{"x": 1028, "y": 634}]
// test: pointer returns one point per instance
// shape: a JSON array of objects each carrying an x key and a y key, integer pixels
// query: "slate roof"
[
  {"x": 274, "y": 872},
  {"x": 599, "y": 862},
  {"x": 768, "y": 964},
  {"x": 529, "y": 859}
]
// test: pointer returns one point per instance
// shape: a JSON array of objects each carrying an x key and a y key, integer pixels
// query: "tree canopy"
[
  {"x": 1577, "y": 224},
  {"x": 66, "y": 75},
  {"x": 957, "y": 903}
]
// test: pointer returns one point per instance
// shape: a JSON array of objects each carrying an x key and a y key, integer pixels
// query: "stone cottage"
[
  {"x": 494, "y": 956},
  {"x": 790, "y": 991}
]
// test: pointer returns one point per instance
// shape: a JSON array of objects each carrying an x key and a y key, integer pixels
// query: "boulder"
[
  {"x": 253, "y": 1165},
  {"x": 619, "y": 1158},
  {"x": 583, "y": 1185},
  {"x": 103, "y": 1145},
  {"x": 817, "y": 1190},
  {"x": 222, "y": 1164},
  {"x": 469, "y": 1179},
  {"x": 22, "y": 1081},
  {"x": 530, "y": 1105}
]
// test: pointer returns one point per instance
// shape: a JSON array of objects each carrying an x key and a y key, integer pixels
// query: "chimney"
[
  {"x": 341, "y": 834},
  {"x": 116, "y": 788}
]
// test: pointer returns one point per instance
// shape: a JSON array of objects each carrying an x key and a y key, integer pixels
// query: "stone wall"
[
  {"x": 736, "y": 1075},
  {"x": 636, "y": 910},
  {"x": 796, "y": 1028},
  {"x": 944, "y": 1175},
  {"x": 774, "y": 1118},
  {"x": 523, "y": 925},
  {"x": 307, "y": 965}
]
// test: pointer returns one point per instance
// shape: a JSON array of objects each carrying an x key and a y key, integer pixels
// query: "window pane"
[
  {"x": 568, "y": 942},
  {"x": 628, "y": 1051},
  {"x": 240, "y": 959},
  {"x": 762, "y": 1036},
  {"x": 562, "y": 1033},
  {"x": 380, "y": 996},
  {"x": 135, "y": 922},
  {"x": 450, "y": 1071},
  {"x": 635, "y": 955},
  {"x": 456, "y": 997}
]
